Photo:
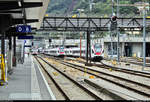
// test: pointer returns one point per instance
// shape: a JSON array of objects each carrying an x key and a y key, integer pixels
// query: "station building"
[{"x": 130, "y": 45}]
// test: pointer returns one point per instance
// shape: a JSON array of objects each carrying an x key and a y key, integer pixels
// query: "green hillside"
[{"x": 100, "y": 7}]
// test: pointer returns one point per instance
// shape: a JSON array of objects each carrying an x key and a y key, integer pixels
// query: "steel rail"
[
  {"x": 57, "y": 85},
  {"x": 127, "y": 87},
  {"x": 74, "y": 81}
]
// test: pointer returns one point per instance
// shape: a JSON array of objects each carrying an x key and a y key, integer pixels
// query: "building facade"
[{"x": 129, "y": 45}]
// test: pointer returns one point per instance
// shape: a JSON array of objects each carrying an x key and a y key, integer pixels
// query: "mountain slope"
[{"x": 100, "y": 7}]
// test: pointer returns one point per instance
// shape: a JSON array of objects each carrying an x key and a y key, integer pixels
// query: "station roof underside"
[{"x": 16, "y": 12}]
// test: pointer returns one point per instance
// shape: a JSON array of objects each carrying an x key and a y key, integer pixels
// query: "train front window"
[
  {"x": 61, "y": 49},
  {"x": 97, "y": 47}
]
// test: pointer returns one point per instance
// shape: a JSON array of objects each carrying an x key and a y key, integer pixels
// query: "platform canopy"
[
  {"x": 37, "y": 13},
  {"x": 14, "y": 12}
]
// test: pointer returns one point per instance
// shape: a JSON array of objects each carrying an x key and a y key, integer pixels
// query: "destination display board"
[{"x": 25, "y": 37}]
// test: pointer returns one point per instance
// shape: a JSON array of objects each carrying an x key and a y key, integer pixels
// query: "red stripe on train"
[
  {"x": 61, "y": 52},
  {"x": 98, "y": 53}
]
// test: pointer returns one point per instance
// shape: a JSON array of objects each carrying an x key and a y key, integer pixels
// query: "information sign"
[{"x": 23, "y": 29}]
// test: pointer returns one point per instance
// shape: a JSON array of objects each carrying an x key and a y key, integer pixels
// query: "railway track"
[
  {"x": 139, "y": 88},
  {"x": 102, "y": 65},
  {"x": 71, "y": 89},
  {"x": 134, "y": 72},
  {"x": 137, "y": 61}
]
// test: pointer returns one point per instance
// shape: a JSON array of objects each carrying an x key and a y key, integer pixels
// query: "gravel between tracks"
[
  {"x": 80, "y": 76},
  {"x": 54, "y": 89},
  {"x": 135, "y": 78},
  {"x": 133, "y": 86},
  {"x": 73, "y": 91}
]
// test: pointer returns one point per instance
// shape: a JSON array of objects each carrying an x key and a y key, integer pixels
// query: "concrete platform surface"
[
  {"x": 26, "y": 83},
  {"x": 133, "y": 67}
]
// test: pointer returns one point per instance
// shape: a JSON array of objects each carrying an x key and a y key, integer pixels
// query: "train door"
[
  {"x": 128, "y": 50},
  {"x": 147, "y": 49}
]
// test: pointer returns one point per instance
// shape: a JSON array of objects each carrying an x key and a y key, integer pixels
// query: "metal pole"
[
  {"x": 63, "y": 42},
  {"x": 10, "y": 43},
  {"x": 111, "y": 32},
  {"x": 118, "y": 35},
  {"x": 87, "y": 47},
  {"x": 117, "y": 8},
  {"x": 90, "y": 45},
  {"x": 3, "y": 45},
  {"x": 80, "y": 44},
  {"x": 24, "y": 22},
  {"x": 111, "y": 45},
  {"x": 80, "y": 34},
  {"x": 118, "y": 45},
  {"x": 10, "y": 55},
  {"x": 90, "y": 3},
  {"x": 14, "y": 56},
  {"x": 144, "y": 40},
  {"x": 23, "y": 51},
  {"x": 112, "y": 7}
]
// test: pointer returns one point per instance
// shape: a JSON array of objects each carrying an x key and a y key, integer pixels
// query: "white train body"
[
  {"x": 59, "y": 51},
  {"x": 68, "y": 51},
  {"x": 34, "y": 51},
  {"x": 97, "y": 52}
]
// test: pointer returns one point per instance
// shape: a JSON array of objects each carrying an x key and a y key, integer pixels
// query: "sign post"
[{"x": 24, "y": 29}]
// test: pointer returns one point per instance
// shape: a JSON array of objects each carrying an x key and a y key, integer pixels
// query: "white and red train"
[
  {"x": 97, "y": 52},
  {"x": 34, "y": 51},
  {"x": 59, "y": 51}
]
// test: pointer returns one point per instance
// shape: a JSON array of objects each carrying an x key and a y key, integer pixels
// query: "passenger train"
[
  {"x": 58, "y": 51},
  {"x": 97, "y": 52},
  {"x": 34, "y": 51}
]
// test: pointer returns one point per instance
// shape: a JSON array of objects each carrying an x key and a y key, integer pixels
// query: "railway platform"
[
  {"x": 26, "y": 83},
  {"x": 127, "y": 65}
]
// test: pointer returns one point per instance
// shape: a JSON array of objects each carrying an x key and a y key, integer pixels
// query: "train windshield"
[
  {"x": 97, "y": 48},
  {"x": 61, "y": 49},
  {"x": 34, "y": 50}
]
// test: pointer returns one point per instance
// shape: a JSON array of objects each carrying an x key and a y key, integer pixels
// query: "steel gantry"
[
  {"x": 95, "y": 24},
  {"x": 91, "y": 24}
]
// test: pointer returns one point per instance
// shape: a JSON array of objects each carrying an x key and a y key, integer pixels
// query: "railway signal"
[
  {"x": 50, "y": 40},
  {"x": 113, "y": 25},
  {"x": 32, "y": 44}
]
